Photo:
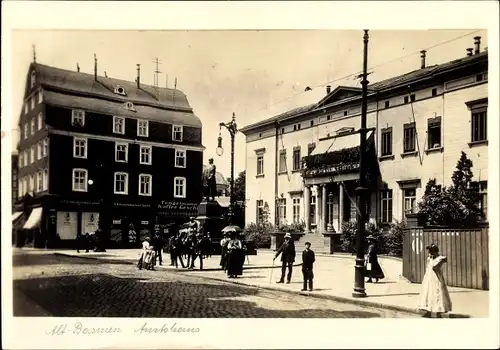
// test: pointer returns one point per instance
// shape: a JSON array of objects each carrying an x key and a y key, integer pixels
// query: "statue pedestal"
[{"x": 210, "y": 218}]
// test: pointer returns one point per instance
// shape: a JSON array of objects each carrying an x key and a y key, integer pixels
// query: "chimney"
[
  {"x": 105, "y": 74},
  {"x": 77, "y": 67},
  {"x": 422, "y": 56},
  {"x": 95, "y": 67},
  {"x": 328, "y": 89},
  {"x": 477, "y": 44},
  {"x": 469, "y": 51},
  {"x": 138, "y": 80}
]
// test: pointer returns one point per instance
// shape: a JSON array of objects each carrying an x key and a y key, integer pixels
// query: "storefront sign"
[
  {"x": 176, "y": 205},
  {"x": 135, "y": 205},
  {"x": 64, "y": 201},
  {"x": 144, "y": 222}
]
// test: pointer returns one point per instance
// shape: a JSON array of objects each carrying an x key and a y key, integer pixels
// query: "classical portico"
[{"x": 330, "y": 179}]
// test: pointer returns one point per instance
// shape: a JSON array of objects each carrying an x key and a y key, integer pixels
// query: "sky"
[{"x": 255, "y": 74}]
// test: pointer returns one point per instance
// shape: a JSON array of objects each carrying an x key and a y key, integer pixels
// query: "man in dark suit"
[
  {"x": 158, "y": 247},
  {"x": 287, "y": 251},
  {"x": 308, "y": 260}
]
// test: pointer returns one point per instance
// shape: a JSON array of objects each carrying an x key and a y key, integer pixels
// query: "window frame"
[
  {"x": 150, "y": 188},
  {"x": 139, "y": 128},
  {"x": 386, "y": 198},
  {"x": 85, "y": 182},
  {"x": 282, "y": 162},
  {"x": 32, "y": 126},
  {"x": 45, "y": 151},
  {"x": 77, "y": 115},
  {"x": 117, "y": 144},
  {"x": 413, "y": 201},
  {"x": 39, "y": 181},
  {"x": 174, "y": 132},
  {"x": 259, "y": 206},
  {"x": 150, "y": 154},
  {"x": 125, "y": 186},
  {"x": 434, "y": 123},
  {"x": 481, "y": 113},
  {"x": 39, "y": 120},
  {"x": 45, "y": 179},
  {"x": 313, "y": 207},
  {"x": 32, "y": 154},
  {"x": 409, "y": 126},
  {"x": 297, "y": 160},
  {"x": 184, "y": 152},
  {"x": 33, "y": 79},
  {"x": 40, "y": 96},
  {"x": 85, "y": 147},
  {"x": 260, "y": 162},
  {"x": 39, "y": 150},
  {"x": 296, "y": 210},
  {"x": 184, "y": 189},
  {"x": 383, "y": 139},
  {"x": 282, "y": 211},
  {"x": 26, "y": 131},
  {"x": 115, "y": 119}
]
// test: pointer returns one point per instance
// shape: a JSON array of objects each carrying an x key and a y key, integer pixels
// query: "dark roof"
[
  {"x": 151, "y": 103},
  {"x": 116, "y": 108},
  {"x": 390, "y": 83}
]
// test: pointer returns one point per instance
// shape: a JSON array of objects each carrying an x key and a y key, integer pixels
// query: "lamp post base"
[{"x": 359, "y": 279}]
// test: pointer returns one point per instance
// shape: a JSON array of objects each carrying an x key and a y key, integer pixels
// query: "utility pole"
[{"x": 362, "y": 190}]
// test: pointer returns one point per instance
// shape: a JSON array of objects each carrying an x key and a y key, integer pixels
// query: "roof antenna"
[
  {"x": 34, "y": 53},
  {"x": 175, "y": 88},
  {"x": 157, "y": 71},
  {"x": 95, "y": 67},
  {"x": 77, "y": 67}
]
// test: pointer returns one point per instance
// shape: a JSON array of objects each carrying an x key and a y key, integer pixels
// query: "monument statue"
[{"x": 208, "y": 181}]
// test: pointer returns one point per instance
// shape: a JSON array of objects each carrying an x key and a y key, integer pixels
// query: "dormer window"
[
  {"x": 33, "y": 79},
  {"x": 177, "y": 133},
  {"x": 120, "y": 90},
  {"x": 77, "y": 117},
  {"x": 130, "y": 106}
]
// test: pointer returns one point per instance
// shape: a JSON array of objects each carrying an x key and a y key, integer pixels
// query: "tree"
[
  {"x": 456, "y": 205},
  {"x": 239, "y": 186}
]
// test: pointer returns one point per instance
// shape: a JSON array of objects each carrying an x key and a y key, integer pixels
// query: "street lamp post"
[
  {"x": 233, "y": 129},
  {"x": 361, "y": 191}
]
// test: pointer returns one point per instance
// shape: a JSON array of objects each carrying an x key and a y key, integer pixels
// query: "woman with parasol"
[{"x": 236, "y": 254}]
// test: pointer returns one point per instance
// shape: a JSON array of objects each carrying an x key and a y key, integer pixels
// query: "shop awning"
[
  {"x": 34, "y": 219},
  {"x": 16, "y": 215}
]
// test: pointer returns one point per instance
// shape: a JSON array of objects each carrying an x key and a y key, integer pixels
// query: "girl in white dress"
[{"x": 434, "y": 297}]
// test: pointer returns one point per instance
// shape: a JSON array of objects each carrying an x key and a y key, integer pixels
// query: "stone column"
[
  {"x": 324, "y": 218},
  {"x": 317, "y": 192},
  {"x": 307, "y": 201},
  {"x": 341, "y": 206}
]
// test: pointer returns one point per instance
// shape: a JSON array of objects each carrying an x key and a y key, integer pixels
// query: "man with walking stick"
[{"x": 287, "y": 251}]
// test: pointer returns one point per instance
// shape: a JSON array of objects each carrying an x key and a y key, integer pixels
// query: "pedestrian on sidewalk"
[
  {"x": 236, "y": 256},
  {"x": 171, "y": 245},
  {"x": 434, "y": 297},
  {"x": 287, "y": 251},
  {"x": 158, "y": 247},
  {"x": 80, "y": 242},
  {"x": 197, "y": 251},
  {"x": 146, "y": 259},
  {"x": 177, "y": 249},
  {"x": 223, "y": 256},
  {"x": 308, "y": 259},
  {"x": 372, "y": 267}
]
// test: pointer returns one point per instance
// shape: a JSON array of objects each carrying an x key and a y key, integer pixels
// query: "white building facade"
[{"x": 302, "y": 165}]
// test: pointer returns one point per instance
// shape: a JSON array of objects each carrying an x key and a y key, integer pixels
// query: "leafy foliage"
[
  {"x": 296, "y": 227},
  {"x": 239, "y": 187},
  {"x": 393, "y": 239},
  {"x": 259, "y": 233},
  {"x": 455, "y": 205},
  {"x": 349, "y": 234}
]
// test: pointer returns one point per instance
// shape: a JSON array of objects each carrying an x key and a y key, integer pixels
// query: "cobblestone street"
[{"x": 46, "y": 284}]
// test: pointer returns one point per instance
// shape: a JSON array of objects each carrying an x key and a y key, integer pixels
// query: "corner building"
[
  {"x": 91, "y": 144},
  {"x": 302, "y": 165}
]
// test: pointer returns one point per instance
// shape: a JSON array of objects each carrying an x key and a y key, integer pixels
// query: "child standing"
[
  {"x": 308, "y": 260},
  {"x": 434, "y": 297}
]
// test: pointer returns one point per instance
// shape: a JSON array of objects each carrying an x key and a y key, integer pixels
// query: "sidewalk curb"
[
  {"x": 127, "y": 262},
  {"x": 338, "y": 255},
  {"x": 361, "y": 301}
]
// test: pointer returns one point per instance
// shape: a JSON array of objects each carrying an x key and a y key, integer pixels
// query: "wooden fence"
[{"x": 466, "y": 250}]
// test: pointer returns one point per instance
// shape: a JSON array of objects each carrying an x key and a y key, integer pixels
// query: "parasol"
[{"x": 231, "y": 229}]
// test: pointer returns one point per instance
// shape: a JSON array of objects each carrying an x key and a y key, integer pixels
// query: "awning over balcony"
[
  {"x": 34, "y": 219},
  {"x": 338, "y": 143},
  {"x": 16, "y": 215}
]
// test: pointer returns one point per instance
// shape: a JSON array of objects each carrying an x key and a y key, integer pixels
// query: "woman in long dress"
[
  {"x": 434, "y": 297},
  {"x": 235, "y": 257},
  {"x": 373, "y": 267},
  {"x": 146, "y": 258},
  {"x": 223, "y": 256}
]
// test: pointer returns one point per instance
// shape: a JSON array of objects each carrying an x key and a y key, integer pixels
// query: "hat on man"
[
  {"x": 308, "y": 243},
  {"x": 288, "y": 235}
]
